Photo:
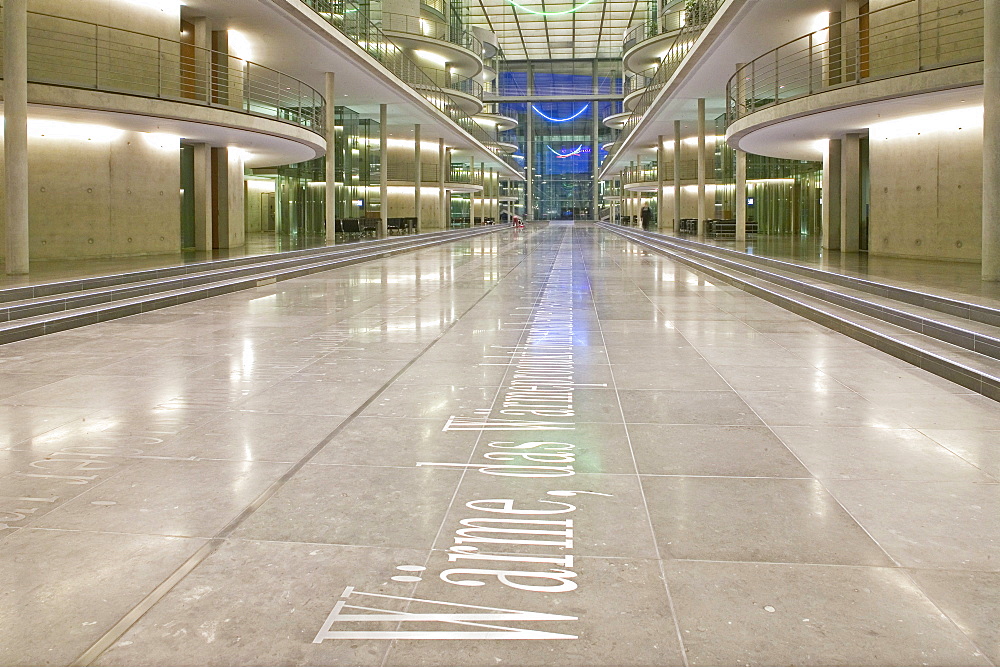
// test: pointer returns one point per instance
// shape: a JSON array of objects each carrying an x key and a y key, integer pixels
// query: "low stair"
[
  {"x": 951, "y": 338},
  {"x": 34, "y": 310}
]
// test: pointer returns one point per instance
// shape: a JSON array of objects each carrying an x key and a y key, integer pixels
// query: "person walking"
[{"x": 647, "y": 216}]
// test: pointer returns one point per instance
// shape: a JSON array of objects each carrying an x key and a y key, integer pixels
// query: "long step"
[
  {"x": 11, "y": 298},
  {"x": 170, "y": 292},
  {"x": 967, "y": 367}
]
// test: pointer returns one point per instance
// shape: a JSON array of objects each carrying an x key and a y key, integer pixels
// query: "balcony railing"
[
  {"x": 423, "y": 27},
  {"x": 893, "y": 41},
  {"x": 680, "y": 46},
  {"x": 66, "y": 52},
  {"x": 672, "y": 18},
  {"x": 351, "y": 19},
  {"x": 647, "y": 173}
]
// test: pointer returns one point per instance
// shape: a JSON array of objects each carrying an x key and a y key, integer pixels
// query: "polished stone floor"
[{"x": 540, "y": 447}]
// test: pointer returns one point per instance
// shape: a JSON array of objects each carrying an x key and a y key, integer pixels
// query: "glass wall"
[
  {"x": 566, "y": 135},
  {"x": 783, "y": 196}
]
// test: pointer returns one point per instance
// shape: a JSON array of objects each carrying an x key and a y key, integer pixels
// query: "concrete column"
[
  {"x": 383, "y": 157},
  {"x": 529, "y": 157},
  {"x": 331, "y": 159},
  {"x": 442, "y": 193},
  {"x": 494, "y": 196},
  {"x": 202, "y": 58},
  {"x": 228, "y": 223},
  {"x": 849, "y": 35},
  {"x": 991, "y": 143},
  {"x": 472, "y": 194},
  {"x": 482, "y": 193},
  {"x": 448, "y": 160},
  {"x": 833, "y": 68},
  {"x": 677, "y": 175},
  {"x": 741, "y": 195},
  {"x": 702, "y": 169},
  {"x": 660, "y": 182},
  {"x": 15, "y": 123},
  {"x": 850, "y": 193},
  {"x": 202, "y": 197},
  {"x": 831, "y": 195},
  {"x": 418, "y": 176},
  {"x": 595, "y": 151}
]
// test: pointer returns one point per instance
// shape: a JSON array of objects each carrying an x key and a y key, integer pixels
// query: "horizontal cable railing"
[
  {"x": 672, "y": 18},
  {"x": 896, "y": 40},
  {"x": 681, "y": 45},
  {"x": 648, "y": 173},
  {"x": 451, "y": 81},
  {"x": 417, "y": 25},
  {"x": 67, "y": 52},
  {"x": 350, "y": 18}
]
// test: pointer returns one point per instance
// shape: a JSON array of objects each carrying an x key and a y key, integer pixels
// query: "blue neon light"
[
  {"x": 560, "y": 120},
  {"x": 575, "y": 152}
]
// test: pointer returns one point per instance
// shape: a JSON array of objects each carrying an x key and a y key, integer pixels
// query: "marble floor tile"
[
  {"x": 784, "y": 615},
  {"x": 980, "y": 448},
  {"x": 946, "y": 525},
  {"x": 212, "y": 618},
  {"x": 53, "y": 614},
  {"x": 167, "y": 498},
  {"x": 869, "y": 453},
  {"x": 712, "y": 450},
  {"x": 677, "y": 407},
  {"x": 755, "y": 519},
  {"x": 971, "y": 600},
  {"x": 619, "y": 614},
  {"x": 403, "y": 507},
  {"x": 735, "y": 484}
]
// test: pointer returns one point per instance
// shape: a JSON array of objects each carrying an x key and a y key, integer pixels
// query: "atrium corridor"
[{"x": 534, "y": 447}]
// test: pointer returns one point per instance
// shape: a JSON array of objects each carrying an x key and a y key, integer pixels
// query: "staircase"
[
  {"x": 954, "y": 339},
  {"x": 35, "y": 310}
]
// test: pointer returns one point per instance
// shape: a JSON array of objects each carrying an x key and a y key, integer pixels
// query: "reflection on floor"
[
  {"x": 261, "y": 243},
  {"x": 539, "y": 447},
  {"x": 954, "y": 279}
]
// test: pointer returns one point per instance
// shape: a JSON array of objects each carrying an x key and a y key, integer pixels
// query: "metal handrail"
[
  {"x": 424, "y": 27},
  {"x": 889, "y": 42},
  {"x": 451, "y": 81},
  {"x": 78, "y": 54},
  {"x": 648, "y": 173},
  {"x": 672, "y": 18},
  {"x": 352, "y": 20},
  {"x": 681, "y": 45}
]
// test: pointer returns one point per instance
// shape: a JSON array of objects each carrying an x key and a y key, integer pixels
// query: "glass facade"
[{"x": 560, "y": 134}]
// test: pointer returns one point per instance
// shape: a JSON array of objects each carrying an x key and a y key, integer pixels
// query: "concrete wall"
[
  {"x": 99, "y": 198},
  {"x": 159, "y": 19},
  {"x": 926, "y": 195}
]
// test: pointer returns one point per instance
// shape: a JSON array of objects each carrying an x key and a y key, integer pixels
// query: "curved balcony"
[
  {"x": 636, "y": 85},
  {"x": 681, "y": 43},
  {"x": 460, "y": 48},
  {"x": 644, "y": 44},
  {"x": 492, "y": 118},
  {"x": 86, "y": 56},
  {"x": 887, "y": 43},
  {"x": 464, "y": 92},
  {"x": 350, "y": 18},
  {"x": 617, "y": 121}
]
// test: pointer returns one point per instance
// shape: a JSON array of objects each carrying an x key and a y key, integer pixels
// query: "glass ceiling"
[{"x": 551, "y": 30}]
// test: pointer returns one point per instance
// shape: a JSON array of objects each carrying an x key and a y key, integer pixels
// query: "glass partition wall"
[{"x": 559, "y": 106}]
